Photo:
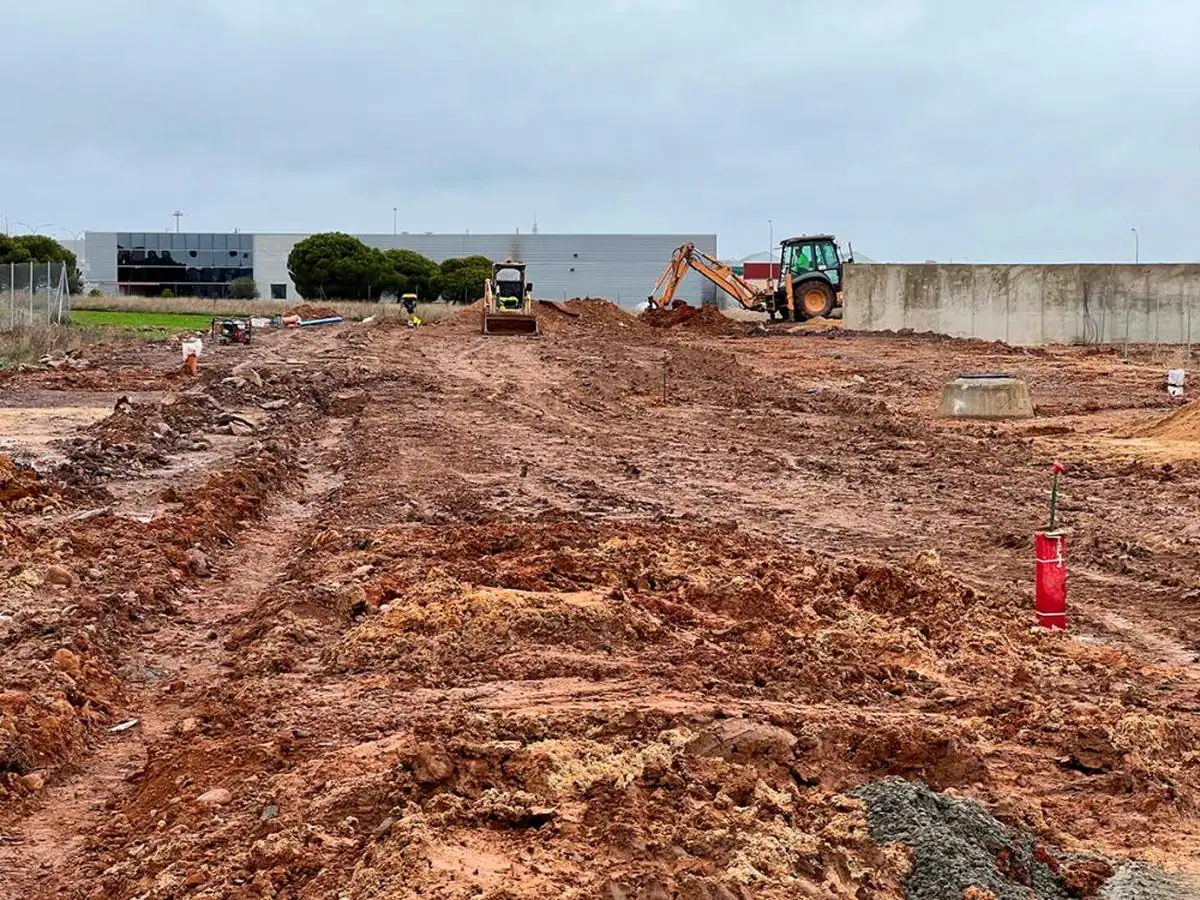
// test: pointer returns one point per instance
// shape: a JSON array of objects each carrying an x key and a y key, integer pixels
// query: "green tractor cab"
[{"x": 810, "y": 278}]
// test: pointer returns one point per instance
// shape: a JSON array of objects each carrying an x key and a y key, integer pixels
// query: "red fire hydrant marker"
[
  {"x": 1050, "y": 548},
  {"x": 1050, "y": 552}
]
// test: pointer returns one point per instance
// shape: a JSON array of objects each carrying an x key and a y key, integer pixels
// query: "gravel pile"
[
  {"x": 1138, "y": 881},
  {"x": 956, "y": 844}
]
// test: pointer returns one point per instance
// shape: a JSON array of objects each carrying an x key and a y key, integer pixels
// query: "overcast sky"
[{"x": 939, "y": 129}]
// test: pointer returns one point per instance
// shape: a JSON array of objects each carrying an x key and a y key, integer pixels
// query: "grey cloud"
[{"x": 917, "y": 128}]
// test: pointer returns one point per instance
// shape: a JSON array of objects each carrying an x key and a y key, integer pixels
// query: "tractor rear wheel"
[{"x": 812, "y": 299}]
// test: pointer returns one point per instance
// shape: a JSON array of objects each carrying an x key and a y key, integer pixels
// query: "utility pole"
[
  {"x": 178, "y": 215},
  {"x": 771, "y": 252}
]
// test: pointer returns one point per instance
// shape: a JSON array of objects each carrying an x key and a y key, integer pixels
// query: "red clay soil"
[
  {"x": 1181, "y": 425},
  {"x": 464, "y": 321},
  {"x": 20, "y": 484},
  {"x": 703, "y": 318},
  {"x": 621, "y": 612}
]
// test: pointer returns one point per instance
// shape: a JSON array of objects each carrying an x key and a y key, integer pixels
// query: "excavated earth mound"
[
  {"x": 1181, "y": 425},
  {"x": 555, "y": 316},
  {"x": 20, "y": 482},
  {"x": 311, "y": 311},
  {"x": 704, "y": 318}
]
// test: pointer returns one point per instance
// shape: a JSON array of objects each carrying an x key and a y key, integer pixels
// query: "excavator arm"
[{"x": 688, "y": 257}]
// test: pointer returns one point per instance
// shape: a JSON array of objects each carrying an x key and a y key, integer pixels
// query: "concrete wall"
[
  {"x": 1029, "y": 305},
  {"x": 618, "y": 267}
]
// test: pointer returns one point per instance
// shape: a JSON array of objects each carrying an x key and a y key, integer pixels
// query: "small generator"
[{"x": 231, "y": 330}]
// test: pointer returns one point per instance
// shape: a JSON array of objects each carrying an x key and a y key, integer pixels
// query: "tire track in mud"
[
  {"x": 177, "y": 666},
  {"x": 364, "y": 715}
]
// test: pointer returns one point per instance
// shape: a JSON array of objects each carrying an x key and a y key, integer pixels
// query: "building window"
[
  {"x": 279, "y": 292},
  {"x": 189, "y": 265}
]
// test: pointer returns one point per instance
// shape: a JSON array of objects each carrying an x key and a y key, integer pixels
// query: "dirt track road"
[{"x": 614, "y": 612}]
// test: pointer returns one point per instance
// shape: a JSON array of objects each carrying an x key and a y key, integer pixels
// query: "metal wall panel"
[
  {"x": 100, "y": 260},
  {"x": 618, "y": 267}
]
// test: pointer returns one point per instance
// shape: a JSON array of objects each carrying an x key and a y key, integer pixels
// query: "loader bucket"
[{"x": 510, "y": 323}]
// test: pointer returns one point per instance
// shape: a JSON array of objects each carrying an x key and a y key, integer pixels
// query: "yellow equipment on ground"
[{"x": 508, "y": 301}]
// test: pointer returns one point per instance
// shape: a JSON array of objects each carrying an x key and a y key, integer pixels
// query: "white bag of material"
[
  {"x": 1175, "y": 380},
  {"x": 192, "y": 348}
]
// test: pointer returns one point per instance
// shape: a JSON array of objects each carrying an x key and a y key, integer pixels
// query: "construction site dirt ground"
[{"x": 619, "y": 611}]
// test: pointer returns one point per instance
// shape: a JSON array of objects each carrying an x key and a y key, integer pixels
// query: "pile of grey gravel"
[
  {"x": 1138, "y": 881},
  {"x": 957, "y": 844}
]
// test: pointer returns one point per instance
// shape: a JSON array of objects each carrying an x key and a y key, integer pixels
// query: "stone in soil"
[
  {"x": 59, "y": 575},
  {"x": 215, "y": 797}
]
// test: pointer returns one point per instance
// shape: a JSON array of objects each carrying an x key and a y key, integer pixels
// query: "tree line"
[
  {"x": 23, "y": 249},
  {"x": 338, "y": 266}
]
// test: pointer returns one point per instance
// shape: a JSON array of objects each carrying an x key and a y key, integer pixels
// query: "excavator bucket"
[{"x": 501, "y": 323}]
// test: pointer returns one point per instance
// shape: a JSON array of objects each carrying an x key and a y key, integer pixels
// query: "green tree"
[
  {"x": 337, "y": 266},
  {"x": 463, "y": 279},
  {"x": 243, "y": 289},
  {"x": 12, "y": 251},
  {"x": 42, "y": 249},
  {"x": 415, "y": 274}
]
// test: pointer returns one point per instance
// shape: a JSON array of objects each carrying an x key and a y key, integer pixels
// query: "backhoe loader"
[
  {"x": 508, "y": 301},
  {"x": 810, "y": 266}
]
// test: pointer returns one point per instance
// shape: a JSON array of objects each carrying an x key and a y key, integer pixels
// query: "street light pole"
[
  {"x": 178, "y": 215},
  {"x": 1137, "y": 247},
  {"x": 394, "y": 210},
  {"x": 770, "y": 247},
  {"x": 33, "y": 230}
]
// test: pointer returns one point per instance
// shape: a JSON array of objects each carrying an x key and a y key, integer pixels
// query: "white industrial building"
[{"x": 618, "y": 267}]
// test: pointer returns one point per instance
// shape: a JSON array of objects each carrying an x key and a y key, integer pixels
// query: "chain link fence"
[{"x": 34, "y": 294}]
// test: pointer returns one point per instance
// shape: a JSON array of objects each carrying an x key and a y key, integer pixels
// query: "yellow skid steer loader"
[{"x": 508, "y": 301}]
